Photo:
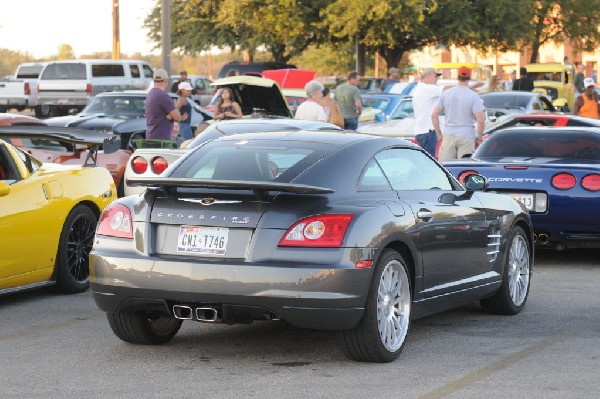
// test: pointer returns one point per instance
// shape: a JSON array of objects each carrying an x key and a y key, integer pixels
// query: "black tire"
[
  {"x": 143, "y": 328},
  {"x": 72, "y": 259},
  {"x": 388, "y": 305},
  {"x": 512, "y": 295},
  {"x": 42, "y": 111}
]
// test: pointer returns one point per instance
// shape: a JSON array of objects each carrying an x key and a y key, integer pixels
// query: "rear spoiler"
[
  {"x": 92, "y": 138},
  {"x": 256, "y": 186}
]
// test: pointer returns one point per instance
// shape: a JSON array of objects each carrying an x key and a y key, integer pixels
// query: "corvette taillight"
[
  {"x": 591, "y": 182},
  {"x": 563, "y": 181},
  {"x": 115, "y": 221},
  {"x": 317, "y": 231},
  {"x": 463, "y": 175},
  {"x": 158, "y": 165},
  {"x": 139, "y": 165}
]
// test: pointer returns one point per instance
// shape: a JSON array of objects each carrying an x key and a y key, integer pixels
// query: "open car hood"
[{"x": 255, "y": 95}]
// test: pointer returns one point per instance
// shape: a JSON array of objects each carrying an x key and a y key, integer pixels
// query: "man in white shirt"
[
  {"x": 425, "y": 97},
  {"x": 311, "y": 109}
]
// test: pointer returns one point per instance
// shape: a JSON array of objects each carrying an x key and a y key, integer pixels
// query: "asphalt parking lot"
[{"x": 60, "y": 346}]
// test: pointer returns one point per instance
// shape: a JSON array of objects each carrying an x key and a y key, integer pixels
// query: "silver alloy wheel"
[
  {"x": 393, "y": 306},
  {"x": 518, "y": 270}
]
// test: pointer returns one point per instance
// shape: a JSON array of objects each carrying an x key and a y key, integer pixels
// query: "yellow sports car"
[{"x": 49, "y": 212}]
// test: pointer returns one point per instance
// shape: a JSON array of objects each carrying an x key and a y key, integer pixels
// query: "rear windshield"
[
  {"x": 107, "y": 70},
  {"x": 505, "y": 101},
  {"x": 248, "y": 160},
  {"x": 551, "y": 144},
  {"x": 67, "y": 71},
  {"x": 373, "y": 102},
  {"x": 29, "y": 71}
]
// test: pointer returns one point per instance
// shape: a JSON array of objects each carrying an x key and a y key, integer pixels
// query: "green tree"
[
  {"x": 555, "y": 20},
  {"x": 65, "y": 52}
]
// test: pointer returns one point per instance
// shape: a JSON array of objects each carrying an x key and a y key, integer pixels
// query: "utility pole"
[
  {"x": 165, "y": 23},
  {"x": 116, "y": 47}
]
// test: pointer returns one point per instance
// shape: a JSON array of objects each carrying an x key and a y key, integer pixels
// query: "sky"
[{"x": 40, "y": 26}]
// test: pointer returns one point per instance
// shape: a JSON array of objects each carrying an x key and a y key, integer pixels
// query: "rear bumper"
[{"x": 306, "y": 296}]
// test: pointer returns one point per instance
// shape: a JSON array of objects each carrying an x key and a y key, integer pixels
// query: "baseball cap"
[
  {"x": 587, "y": 82},
  {"x": 160, "y": 75},
  {"x": 429, "y": 70},
  {"x": 464, "y": 72},
  {"x": 184, "y": 86},
  {"x": 393, "y": 70}
]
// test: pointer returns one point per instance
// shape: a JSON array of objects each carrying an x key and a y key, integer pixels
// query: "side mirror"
[
  {"x": 4, "y": 188},
  {"x": 476, "y": 182}
]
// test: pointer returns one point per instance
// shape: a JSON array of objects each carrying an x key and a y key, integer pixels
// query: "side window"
[
  {"x": 148, "y": 73},
  {"x": 411, "y": 169},
  {"x": 200, "y": 84},
  {"x": 135, "y": 71},
  {"x": 373, "y": 179},
  {"x": 107, "y": 70}
]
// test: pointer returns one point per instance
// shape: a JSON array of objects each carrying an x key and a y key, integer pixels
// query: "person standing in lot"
[
  {"x": 393, "y": 77},
  {"x": 524, "y": 83},
  {"x": 462, "y": 107},
  {"x": 508, "y": 85},
  {"x": 578, "y": 81},
  {"x": 311, "y": 109},
  {"x": 332, "y": 109},
  {"x": 587, "y": 103},
  {"x": 160, "y": 109},
  {"x": 426, "y": 95},
  {"x": 183, "y": 77},
  {"x": 348, "y": 96},
  {"x": 184, "y": 89}
]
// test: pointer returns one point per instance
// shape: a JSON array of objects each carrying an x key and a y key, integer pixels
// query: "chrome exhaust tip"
[
  {"x": 206, "y": 315},
  {"x": 543, "y": 239},
  {"x": 182, "y": 312}
]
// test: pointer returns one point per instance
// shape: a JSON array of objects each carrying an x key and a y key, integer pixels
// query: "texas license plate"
[
  {"x": 202, "y": 240},
  {"x": 525, "y": 199}
]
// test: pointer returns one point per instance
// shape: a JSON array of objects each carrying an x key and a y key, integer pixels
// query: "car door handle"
[{"x": 424, "y": 214}]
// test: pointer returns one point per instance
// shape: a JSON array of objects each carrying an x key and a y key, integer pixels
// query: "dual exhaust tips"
[{"x": 203, "y": 314}]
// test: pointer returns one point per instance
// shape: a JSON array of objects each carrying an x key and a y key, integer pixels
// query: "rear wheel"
[
  {"x": 143, "y": 328},
  {"x": 512, "y": 295},
  {"x": 72, "y": 260},
  {"x": 42, "y": 111},
  {"x": 380, "y": 335}
]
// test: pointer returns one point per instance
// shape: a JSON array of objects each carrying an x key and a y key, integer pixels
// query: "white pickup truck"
[{"x": 20, "y": 91}]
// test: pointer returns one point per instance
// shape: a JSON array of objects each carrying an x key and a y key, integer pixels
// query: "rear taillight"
[
  {"x": 139, "y": 165},
  {"x": 465, "y": 173},
  {"x": 158, "y": 165},
  {"x": 27, "y": 89},
  {"x": 317, "y": 231},
  {"x": 88, "y": 89},
  {"x": 591, "y": 182},
  {"x": 563, "y": 181},
  {"x": 115, "y": 221},
  {"x": 38, "y": 88}
]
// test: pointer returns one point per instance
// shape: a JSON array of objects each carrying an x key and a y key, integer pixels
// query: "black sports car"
[{"x": 325, "y": 230}]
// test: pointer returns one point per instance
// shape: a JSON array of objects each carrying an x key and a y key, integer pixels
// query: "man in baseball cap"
[
  {"x": 426, "y": 95},
  {"x": 587, "y": 103},
  {"x": 160, "y": 109},
  {"x": 463, "y": 108},
  {"x": 160, "y": 75},
  {"x": 429, "y": 71}
]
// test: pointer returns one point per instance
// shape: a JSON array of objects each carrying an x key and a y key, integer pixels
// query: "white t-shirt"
[
  {"x": 425, "y": 98},
  {"x": 311, "y": 111},
  {"x": 460, "y": 104}
]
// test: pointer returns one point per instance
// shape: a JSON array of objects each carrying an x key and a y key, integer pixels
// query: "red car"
[
  {"x": 55, "y": 151},
  {"x": 538, "y": 120}
]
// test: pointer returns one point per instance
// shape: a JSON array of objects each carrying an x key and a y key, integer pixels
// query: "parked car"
[
  {"x": 202, "y": 92},
  {"x": 390, "y": 105},
  {"x": 20, "y": 91},
  {"x": 557, "y": 120},
  {"x": 235, "y": 68},
  {"x": 123, "y": 113},
  {"x": 555, "y": 81},
  {"x": 498, "y": 103},
  {"x": 70, "y": 84},
  {"x": 48, "y": 212},
  {"x": 59, "y": 151},
  {"x": 294, "y": 98},
  {"x": 479, "y": 74},
  {"x": 258, "y": 97},
  {"x": 151, "y": 162},
  {"x": 347, "y": 232},
  {"x": 553, "y": 172},
  {"x": 366, "y": 84}
]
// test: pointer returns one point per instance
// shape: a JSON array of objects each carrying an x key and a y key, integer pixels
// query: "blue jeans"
[
  {"x": 427, "y": 141},
  {"x": 351, "y": 123},
  {"x": 185, "y": 131}
]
